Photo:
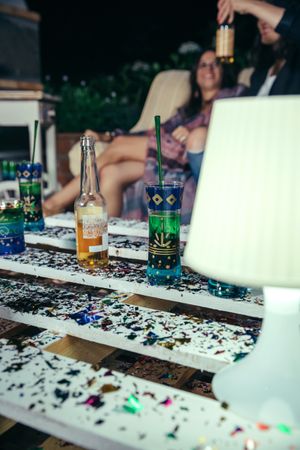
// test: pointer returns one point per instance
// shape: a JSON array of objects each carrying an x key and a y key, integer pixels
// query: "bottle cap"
[{"x": 87, "y": 142}]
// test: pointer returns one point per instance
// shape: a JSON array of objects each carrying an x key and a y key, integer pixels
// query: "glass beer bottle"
[
  {"x": 225, "y": 43},
  {"x": 90, "y": 212}
]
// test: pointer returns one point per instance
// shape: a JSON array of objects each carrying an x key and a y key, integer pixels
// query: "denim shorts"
[{"x": 195, "y": 161}]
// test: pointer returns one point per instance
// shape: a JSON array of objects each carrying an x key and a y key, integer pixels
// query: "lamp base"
[{"x": 264, "y": 386}]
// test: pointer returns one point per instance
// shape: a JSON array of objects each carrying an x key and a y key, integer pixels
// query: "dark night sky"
[{"x": 82, "y": 39}]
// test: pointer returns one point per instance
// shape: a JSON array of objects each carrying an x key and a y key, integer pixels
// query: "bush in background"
[{"x": 115, "y": 101}]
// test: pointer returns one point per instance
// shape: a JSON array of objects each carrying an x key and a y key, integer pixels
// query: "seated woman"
[{"x": 129, "y": 158}]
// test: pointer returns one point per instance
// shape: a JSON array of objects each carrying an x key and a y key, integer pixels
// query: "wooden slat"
[
  {"x": 80, "y": 349},
  {"x": 127, "y": 277},
  {"x": 193, "y": 342},
  {"x": 65, "y": 398},
  {"x": 8, "y": 328},
  {"x": 5, "y": 424},
  {"x": 41, "y": 340},
  {"x": 150, "y": 302},
  {"x": 115, "y": 226},
  {"x": 53, "y": 443},
  {"x": 62, "y": 238}
]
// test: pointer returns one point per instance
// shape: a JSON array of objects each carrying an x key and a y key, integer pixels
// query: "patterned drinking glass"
[
  {"x": 30, "y": 185},
  {"x": 11, "y": 227},
  {"x": 164, "y": 205}
]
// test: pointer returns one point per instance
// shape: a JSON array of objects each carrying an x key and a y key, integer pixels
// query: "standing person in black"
[
  {"x": 279, "y": 60},
  {"x": 282, "y": 15}
]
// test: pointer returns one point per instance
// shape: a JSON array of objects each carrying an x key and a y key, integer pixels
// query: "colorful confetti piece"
[
  {"x": 133, "y": 405},
  {"x": 284, "y": 428}
]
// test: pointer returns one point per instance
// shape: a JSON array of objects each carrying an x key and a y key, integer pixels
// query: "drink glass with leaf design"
[
  {"x": 11, "y": 227},
  {"x": 30, "y": 184},
  {"x": 164, "y": 208}
]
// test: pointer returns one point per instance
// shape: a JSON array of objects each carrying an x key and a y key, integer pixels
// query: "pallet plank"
[
  {"x": 116, "y": 225},
  {"x": 63, "y": 238},
  {"x": 127, "y": 247},
  {"x": 127, "y": 277},
  {"x": 72, "y": 401},
  {"x": 198, "y": 343}
]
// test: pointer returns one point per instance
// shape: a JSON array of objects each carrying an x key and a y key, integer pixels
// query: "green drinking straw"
[
  {"x": 36, "y": 124},
  {"x": 157, "y": 131}
]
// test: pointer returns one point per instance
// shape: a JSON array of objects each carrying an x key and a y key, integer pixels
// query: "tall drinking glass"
[
  {"x": 164, "y": 206},
  {"x": 11, "y": 227},
  {"x": 30, "y": 185}
]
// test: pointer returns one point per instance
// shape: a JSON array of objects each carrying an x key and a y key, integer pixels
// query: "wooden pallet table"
[{"x": 47, "y": 382}]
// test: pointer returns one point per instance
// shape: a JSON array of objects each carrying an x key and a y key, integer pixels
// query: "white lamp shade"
[{"x": 245, "y": 227}]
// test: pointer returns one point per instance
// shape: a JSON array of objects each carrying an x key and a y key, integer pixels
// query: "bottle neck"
[{"x": 89, "y": 183}]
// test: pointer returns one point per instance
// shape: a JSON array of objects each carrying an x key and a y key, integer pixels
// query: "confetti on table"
[
  {"x": 167, "y": 402},
  {"x": 284, "y": 428},
  {"x": 237, "y": 430},
  {"x": 262, "y": 426},
  {"x": 95, "y": 401},
  {"x": 109, "y": 388},
  {"x": 133, "y": 405}
]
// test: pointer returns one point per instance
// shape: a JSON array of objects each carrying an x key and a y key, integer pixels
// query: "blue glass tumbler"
[
  {"x": 225, "y": 290},
  {"x": 11, "y": 227},
  {"x": 30, "y": 185},
  {"x": 164, "y": 207}
]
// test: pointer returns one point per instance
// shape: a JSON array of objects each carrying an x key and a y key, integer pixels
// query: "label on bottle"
[
  {"x": 225, "y": 42},
  {"x": 100, "y": 248},
  {"x": 93, "y": 225}
]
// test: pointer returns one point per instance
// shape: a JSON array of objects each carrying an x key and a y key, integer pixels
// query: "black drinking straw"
[
  {"x": 157, "y": 131},
  {"x": 36, "y": 124}
]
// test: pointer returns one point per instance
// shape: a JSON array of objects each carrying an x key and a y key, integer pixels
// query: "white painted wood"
[
  {"x": 44, "y": 338},
  {"x": 127, "y": 247},
  {"x": 116, "y": 225},
  {"x": 200, "y": 343},
  {"x": 65, "y": 398},
  {"x": 127, "y": 277},
  {"x": 61, "y": 220},
  {"x": 59, "y": 237}
]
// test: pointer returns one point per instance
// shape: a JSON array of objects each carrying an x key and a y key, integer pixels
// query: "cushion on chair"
[
  {"x": 169, "y": 90},
  {"x": 74, "y": 156},
  {"x": 244, "y": 76}
]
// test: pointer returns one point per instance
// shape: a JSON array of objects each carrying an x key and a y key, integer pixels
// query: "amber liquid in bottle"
[
  {"x": 90, "y": 213},
  {"x": 225, "y": 43}
]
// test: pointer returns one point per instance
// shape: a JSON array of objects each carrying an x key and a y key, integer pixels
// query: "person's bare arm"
[{"x": 260, "y": 9}]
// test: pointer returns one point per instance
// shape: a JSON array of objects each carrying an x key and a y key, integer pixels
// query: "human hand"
[
  {"x": 92, "y": 134},
  {"x": 105, "y": 136},
  {"x": 226, "y": 9},
  {"x": 180, "y": 134}
]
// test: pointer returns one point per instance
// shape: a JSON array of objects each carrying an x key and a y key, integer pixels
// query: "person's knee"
[
  {"x": 118, "y": 140},
  {"x": 109, "y": 177},
  {"x": 196, "y": 139}
]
